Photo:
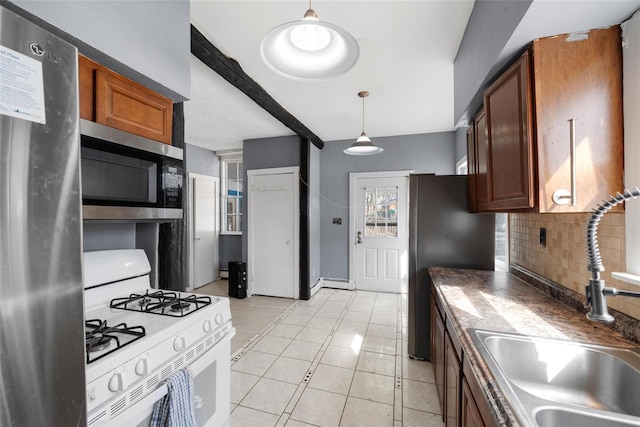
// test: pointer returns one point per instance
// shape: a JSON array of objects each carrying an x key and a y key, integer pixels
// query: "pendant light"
[
  {"x": 363, "y": 145},
  {"x": 309, "y": 49}
]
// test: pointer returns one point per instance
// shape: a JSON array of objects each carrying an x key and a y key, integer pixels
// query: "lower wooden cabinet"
[
  {"x": 470, "y": 414},
  {"x": 461, "y": 397},
  {"x": 437, "y": 361},
  {"x": 453, "y": 382},
  {"x": 480, "y": 413}
]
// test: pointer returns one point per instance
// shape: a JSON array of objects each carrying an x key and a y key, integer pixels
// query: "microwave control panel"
[{"x": 172, "y": 184}]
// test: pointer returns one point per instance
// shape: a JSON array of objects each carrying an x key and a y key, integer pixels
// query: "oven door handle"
[{"x": 133, "y": 416}]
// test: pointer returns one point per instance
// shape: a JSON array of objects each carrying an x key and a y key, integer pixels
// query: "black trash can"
[{"x": 237, "y": 279}]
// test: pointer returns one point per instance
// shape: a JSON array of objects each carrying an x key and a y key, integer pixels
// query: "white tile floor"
[{"x": 339, "y": 359}]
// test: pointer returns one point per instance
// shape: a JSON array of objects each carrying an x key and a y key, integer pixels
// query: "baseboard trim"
[
  {"x": 336, "y": 284},
  {"x": 316, "y": 287}
]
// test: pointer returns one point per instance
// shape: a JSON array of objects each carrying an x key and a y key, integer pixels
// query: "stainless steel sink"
[
  {"x": 561, "y": 383},
  {"x": 563, "y": 417}
]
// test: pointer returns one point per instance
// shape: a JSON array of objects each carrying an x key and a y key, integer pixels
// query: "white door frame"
[
  {"x": 295, "y": 170},
  {"x": 191, "y": 222},
  {"x": 353, "y": 177}
]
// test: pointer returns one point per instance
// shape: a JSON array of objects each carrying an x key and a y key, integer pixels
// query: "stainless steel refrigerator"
[
  {"x": 42, "y": 357},
  {"x": 442, "y": 233}
]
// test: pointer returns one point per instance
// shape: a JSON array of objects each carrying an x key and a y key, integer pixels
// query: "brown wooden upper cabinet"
[
  {"x": 472, "y": 169},
  {"x": 564, "y": 91},
  {"x": 477, "y": 164},
  {"x": 115, "y": 101}
]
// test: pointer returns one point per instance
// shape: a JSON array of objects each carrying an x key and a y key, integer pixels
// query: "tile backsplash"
[{"x": 564, "y": 257}]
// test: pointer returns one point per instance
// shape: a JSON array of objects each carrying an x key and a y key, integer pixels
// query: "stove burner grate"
[
  {"x": 180, "y": 306},
  {"x": 99, "y": 343},
  {"x": 162, "y": 303},
  {"x": 100, "y": 336}
]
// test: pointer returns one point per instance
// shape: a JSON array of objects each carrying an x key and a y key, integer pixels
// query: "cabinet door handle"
[
  {"x": 562, "y": 196},
  {"x": 572, "y": 134}
]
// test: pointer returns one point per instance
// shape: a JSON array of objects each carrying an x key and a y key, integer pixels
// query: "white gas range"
[{"x": 138, "y": 336}]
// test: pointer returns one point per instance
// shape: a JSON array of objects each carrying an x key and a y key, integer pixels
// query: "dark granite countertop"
[{"x": 499, "y": 301}]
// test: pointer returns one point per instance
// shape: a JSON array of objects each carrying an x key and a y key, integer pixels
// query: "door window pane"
[{"x": 381, "y": 212}]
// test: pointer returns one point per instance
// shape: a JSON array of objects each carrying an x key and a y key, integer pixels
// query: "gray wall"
[
  {"x": 206, "y": 162},
  {"x": 103, "y": 236},
  {"x": 148, "y": 41},
  {"x": 425, "y": 153},
  {"x": 281, "y": 152},
  {"x": 202, "y": 161},
  {"x": 107, "y": 236},
  {"x": 490, "y": 26},
  {"x": 230, "y": 249},
  {"x": 461, "y": 144},
  {"x": 265, "y": 153},
  {"x": 260, "y": 153}
]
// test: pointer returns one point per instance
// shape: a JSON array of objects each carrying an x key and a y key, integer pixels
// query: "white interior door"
[
  {"x": 379, "y": 228},
  {"x": 273, "y": 232},
  {"x": 205, "y": 262}
]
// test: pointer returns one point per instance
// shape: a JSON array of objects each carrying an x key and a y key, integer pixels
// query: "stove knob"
[
  {"x": 206, "y": 326},
  {"x": 118, "y": 382},
  {"x": 142, "y": 367},
  {"x": 219, "y": 319},
  {"x": 179, "y": 344}
]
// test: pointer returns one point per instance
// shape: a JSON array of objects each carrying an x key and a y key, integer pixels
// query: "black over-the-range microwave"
[{"x": 128, "y": 177}]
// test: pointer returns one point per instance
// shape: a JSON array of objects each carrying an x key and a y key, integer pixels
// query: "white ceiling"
[{"x": 407, "y": 50}]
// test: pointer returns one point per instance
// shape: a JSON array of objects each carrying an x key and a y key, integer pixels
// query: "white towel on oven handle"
[{"x": 176, "y": 408}]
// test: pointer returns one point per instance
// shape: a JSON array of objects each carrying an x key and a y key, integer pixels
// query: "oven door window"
[{"x": 111, "y": 177}]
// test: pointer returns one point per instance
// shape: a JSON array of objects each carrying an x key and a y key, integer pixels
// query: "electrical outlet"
[{"x": 543, "y": 237}]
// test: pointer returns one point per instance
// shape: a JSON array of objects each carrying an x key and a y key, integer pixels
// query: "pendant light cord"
[{"x": 363, "y": 114}]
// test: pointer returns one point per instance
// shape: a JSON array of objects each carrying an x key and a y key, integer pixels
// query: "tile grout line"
[
  {"x": 354, "y": 371},
  {"x": 268, "y": 327},
  {"x": 321, "y": 352},
  {"x": 293, "y": 402},
  {"x": 285, "y": 416},
  {"x": 397, "y": 407},
  {"x": 253, "y": 340}
]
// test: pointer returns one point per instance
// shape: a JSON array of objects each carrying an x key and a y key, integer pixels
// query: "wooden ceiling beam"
[{"x": 231, "y": 71}]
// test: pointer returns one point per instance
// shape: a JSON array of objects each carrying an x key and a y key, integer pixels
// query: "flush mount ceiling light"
[
  {"x": 363, "y": 145},
  {"x": 309, "y": 49}
]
